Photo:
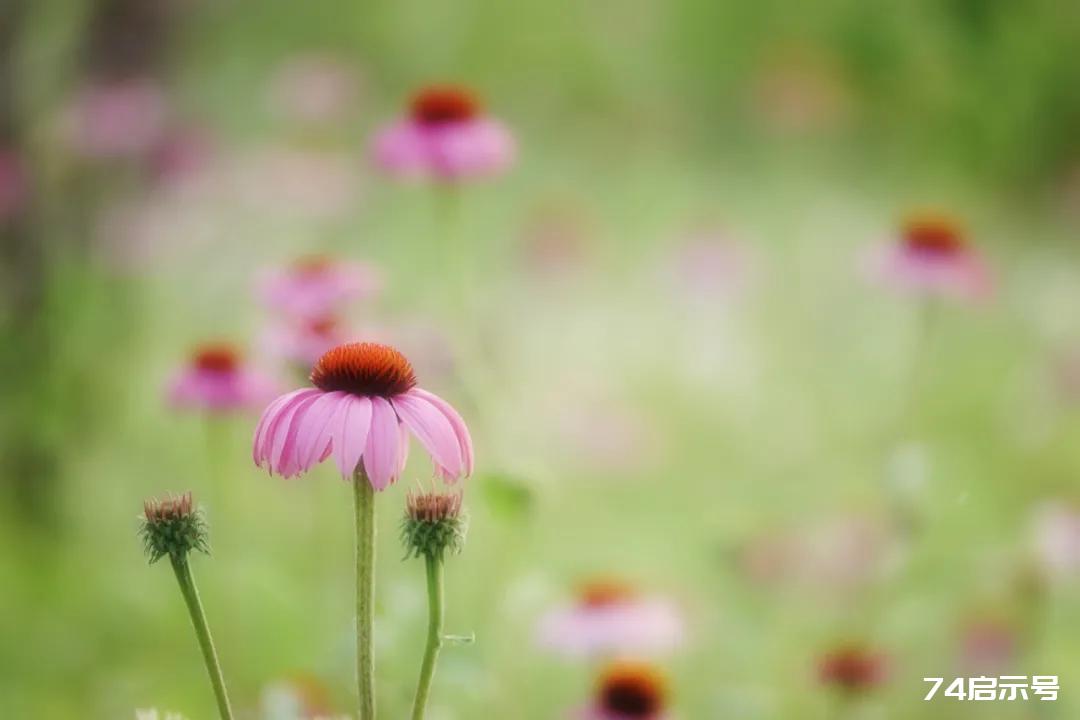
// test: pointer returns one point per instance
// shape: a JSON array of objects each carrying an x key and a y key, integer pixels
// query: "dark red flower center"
[
  {"x": 933, "y": 234},
  {"x": 605, "y": 593},
  {"x": 323, "y": 327},
  {"x": 632, "y": 690},
  {"x": 217, "y": 358},
  {"x": 444, "y": 104},
  {"x": 365, "y": 369},
  {"x": 852, "y": 669}
]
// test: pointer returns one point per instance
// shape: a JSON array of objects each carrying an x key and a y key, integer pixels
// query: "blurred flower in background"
[
  {"x": 1056, "y": 540},
  {"x": 931, "y": 257},
  {"x": 446, "y": 136},
  {"x": 301, "y": 697},
  {"x": 853, "y": 669},
  {"x": 217, "y": 380},
  {"x": 612, "y": 618},
  {"x": 116, "y": 118},
  {"x": 315, "y": 88},
  {"x": 317, "y": 287},
  {"x": 629, "y": 691}
]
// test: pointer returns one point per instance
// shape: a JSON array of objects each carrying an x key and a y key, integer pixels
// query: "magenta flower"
[
  {"x": 315, "y": 288},
  {"x": 931, "y": 258},
  {"x": 364, "y": 404},
  {"x": 216, "y": 381},
  {"x": 611, "y": 618},
  {"x": 629, "y": 691},
  {"x": 13, "y": 190},
  {"x": 117, "y": 119},
  {"x": 446, "y": 137}
]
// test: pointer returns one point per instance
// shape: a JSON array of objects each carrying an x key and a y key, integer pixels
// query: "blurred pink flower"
[
  {"x": 315, "y": 89},
  {"x": 317, "y": 287},
  {"x": 216, "y": 381},
  {"x": 628, "y": 691},
  {"x": 179, "y": 154},
  {"x": 1056, "y": 539},
  {"x": 13, "y": 188},
  {"x": 987, "y": 645},
  {"x": 364, "y": 404},
  {"x": 446, "y": 137},
  {"x": 610, "y": 618},
  {"x": 120, "y": 118},
  {"x": 853, "y": 668},
  {"x": 931, "y": 257},
  {"x": 302, "y": 343}
]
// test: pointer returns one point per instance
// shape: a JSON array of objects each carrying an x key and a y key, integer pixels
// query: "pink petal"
[
  {"x": 381, "y": 456},
  {"x": 264, "y": 431},
  {"x": 434, "y": 431},
  {"x": 314, "y": 435},
  {"x": 351, "y": 427},
  {"x": 282, "y": 435},
  {"x": 286, "y": 460},
  {"x": 460, "y": 430}
]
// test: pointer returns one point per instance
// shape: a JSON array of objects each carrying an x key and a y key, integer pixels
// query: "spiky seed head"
[
  {"x": 433, "y": 524},
  {"x": 173, "y": 526}
]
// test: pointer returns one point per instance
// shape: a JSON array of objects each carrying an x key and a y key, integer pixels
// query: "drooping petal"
[
  {"x": 314, "y": 435},
  {"x": 460, "y": 430},
  {"x": 351, "y": 428},
  {"x": 381, "y": 455},
  {"x": 268, "y": 423},
  {"x": 283, "y": 433},
  {"x": 434, "y": 431},
  {"x": 285, "y": 458}
]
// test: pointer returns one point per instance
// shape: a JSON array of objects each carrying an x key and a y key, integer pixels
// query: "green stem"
[
  {"x": 435, "y": 634},
  {"x": 202, "y": 632},
  {"x": 364, "y": 496}
]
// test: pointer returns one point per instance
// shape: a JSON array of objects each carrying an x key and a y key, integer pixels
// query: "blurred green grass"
[{"x": 774, "y": 409}]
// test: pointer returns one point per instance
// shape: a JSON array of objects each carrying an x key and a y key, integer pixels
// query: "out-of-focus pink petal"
[
  {"x": 381, "y": 456},
  {"x": 354, "y": 425},
  {"x": 456, "y": 422},
  {"x": 434, "y": 431}
]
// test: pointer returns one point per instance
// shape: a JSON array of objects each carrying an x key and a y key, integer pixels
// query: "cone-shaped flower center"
[
  {"x": 365, "y": 369},
  {"x": 933, "y": 234},
  {"x": 632, "y": 690},
  {"x": 605, "y": 593},
  {"x": 217, "y": 358},
  {"x": 444, "y": 104},
  {"x": 313, "y": 264},
  {"x": 852, "y": 668}
]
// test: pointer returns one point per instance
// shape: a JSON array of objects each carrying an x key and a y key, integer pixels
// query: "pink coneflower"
[
  {"x": 301, "y": 343},
  {"x": 364, "y": 402},
  {"x": 13, "y": 189},
  {"x": 446, "y": 136},
  {"x": 853, "y": 669},
  {"x": 317, "y": 287},
  {"x": 629, "y": 691},
  {"x": 179, "y": 154},
  {"x": 216, "y": 380},
  {"x": 931, "y": 257},
  {"x": 987, "y": 644},
  {"x": 610, "y": 618},
  {"x": 117, "y": 118}
]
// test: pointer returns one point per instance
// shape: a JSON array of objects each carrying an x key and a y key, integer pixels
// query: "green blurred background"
[{"x": 624, "y": 425}]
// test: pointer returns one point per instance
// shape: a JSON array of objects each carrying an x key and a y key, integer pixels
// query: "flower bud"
[
  {"x": 174, "y": 527},
  {"x": 433, "y": 524}
]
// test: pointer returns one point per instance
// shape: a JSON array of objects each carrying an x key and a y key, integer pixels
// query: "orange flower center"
[
  {"x": 852, "y": 669},
  {"x": 323, "y": 327},
  {"x": 933, "y": 234},
  {"x": 444, "y": 104},
  {"x": 605, "y": 593},
  {"x": 632, "y": 690},
  {"x": 313, "y": 264},
  {"x": 217, "y": 358},
  {"x": 365, "y": 369}
]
